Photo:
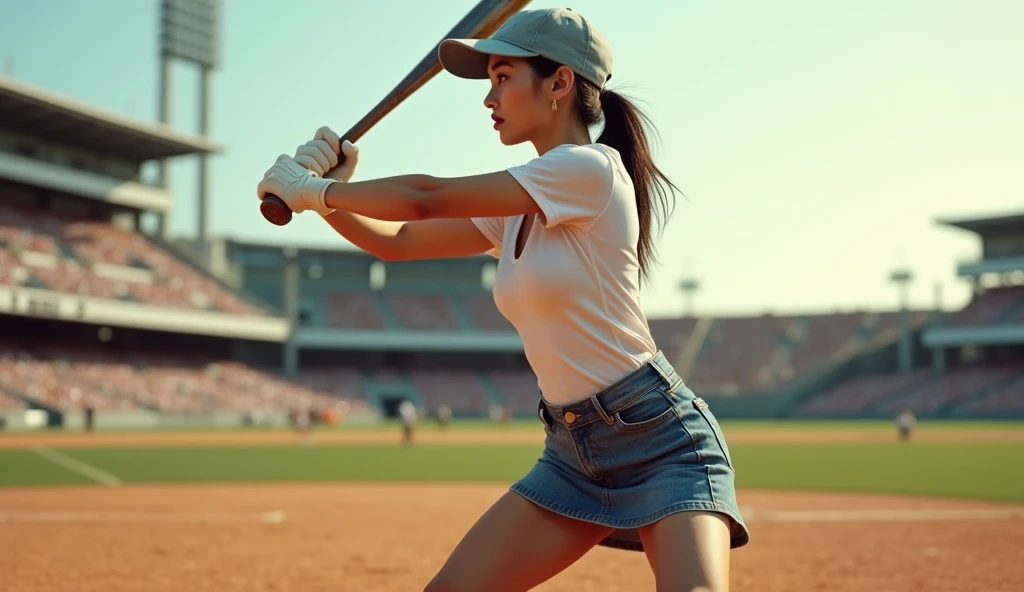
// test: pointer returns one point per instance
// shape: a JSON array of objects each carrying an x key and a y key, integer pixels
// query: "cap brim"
[{"x": 468, "y": 58}]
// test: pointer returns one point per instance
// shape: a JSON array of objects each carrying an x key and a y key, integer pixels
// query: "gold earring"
[{"x": 554, "y": 105}]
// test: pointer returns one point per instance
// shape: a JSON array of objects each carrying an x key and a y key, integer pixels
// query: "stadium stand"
[
  {"x": 423, "y": 312},
  {"x": 927, "y": 392},
  {"x": 354, "y": 310},
  {"x": 484, "y": 313},
  {"x": 9, "y": 401},
  {"x": 272, "y": 320},
  {"x": 991, "y": 306},
  {"x": 954, "y": 387},
  {"x": 745, "y": 355},
  {"x": 66, "y": 377},
  {"x": 1005, "y": 399},
  {"x": 518, "y": 389},
  {"x": 977, "y": 359},
  {"x": 76, "y": 255},
  {"x": 462, "y": 390},
  {"x": 343, "y": 383},
  {"x": 856, "y": 396}
]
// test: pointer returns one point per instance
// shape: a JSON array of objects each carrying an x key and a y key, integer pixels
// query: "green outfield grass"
[
  {"x": 532, "y": 424},
  {"x": 980, "y": 471}
]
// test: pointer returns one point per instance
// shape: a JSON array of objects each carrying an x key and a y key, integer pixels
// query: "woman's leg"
[
  {"x": 689, "y": 551},
  {"x": 516, "y": 545}
]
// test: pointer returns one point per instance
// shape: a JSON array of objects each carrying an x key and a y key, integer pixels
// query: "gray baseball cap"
[{"x": 559, "y": 34}]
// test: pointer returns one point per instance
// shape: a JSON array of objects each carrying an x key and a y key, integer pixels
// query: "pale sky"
[{"x": 816, "y": 142}]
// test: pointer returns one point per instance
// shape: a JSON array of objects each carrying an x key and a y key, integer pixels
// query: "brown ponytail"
[{"x": 625, "y": 130}]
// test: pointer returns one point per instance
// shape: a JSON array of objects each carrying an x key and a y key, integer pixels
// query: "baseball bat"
[{"x": 483, "y": 20}]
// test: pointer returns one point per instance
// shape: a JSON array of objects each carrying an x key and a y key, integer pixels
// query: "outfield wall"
[{"x": 766, "y": 406}]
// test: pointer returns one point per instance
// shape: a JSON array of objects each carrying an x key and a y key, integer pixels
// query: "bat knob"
[{"x": 275, "y": 211}]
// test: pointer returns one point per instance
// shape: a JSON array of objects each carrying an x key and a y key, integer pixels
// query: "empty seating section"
[
  {"x": 485, "y": 314},
  {"x": 988, "y": 388},
  {"x": 1009, "y": 398},
  {"x": 353, "y": 310},
  {"x": 344, "y": 383},
  {"x": 518, "y": 389},
  {"x": 413, "y": 311},
  {"x": 386, "y": 376},
  {"x": 862, "y": 393},
  {"x": 94, "y": 258},
  {"x": 739, "y": 355},
  {"x": 422, "y": 312},
  {"x": 956, "y": 386},
  {"x": 672, "y": 335},
  {"x": 988, "y": 307},
  {"x": 823, "y": 337},
  {"x": 68, "y": 378},
  {"x": 462, "y": 390}
]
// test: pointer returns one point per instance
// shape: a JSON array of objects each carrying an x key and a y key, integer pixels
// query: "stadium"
[{"x": 154, "y": 393}]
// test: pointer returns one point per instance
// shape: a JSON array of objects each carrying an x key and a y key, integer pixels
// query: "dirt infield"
[
  {"x": 497, "y": 435},
  {"x": 393, "y": 537}
]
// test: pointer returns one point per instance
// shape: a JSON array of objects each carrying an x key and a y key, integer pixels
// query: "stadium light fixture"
[
  {"x": 902, "y": 278},
  {"x": 188, "y": 30}
]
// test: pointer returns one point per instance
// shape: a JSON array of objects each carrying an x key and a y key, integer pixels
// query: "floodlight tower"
[
  {"x": 902, "y": 278},
  {"x": 688, "y": 286},
  {"x": 189, "y": 32}
]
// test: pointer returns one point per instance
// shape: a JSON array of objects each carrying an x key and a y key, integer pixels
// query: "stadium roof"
[
  {"x": 1012, "y": 223},
  {"x": 30, "y": 110}
]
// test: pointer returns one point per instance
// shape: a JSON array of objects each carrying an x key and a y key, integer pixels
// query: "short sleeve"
[
  {"x": 571, "y": 184},
  {"x": 494, "y": 230}
]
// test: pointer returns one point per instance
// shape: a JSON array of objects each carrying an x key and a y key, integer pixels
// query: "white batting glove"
[
  {"x": 299, "y": 188},
  {"x": 317, "y": 155},
  {"x": 350, "y": 151}
]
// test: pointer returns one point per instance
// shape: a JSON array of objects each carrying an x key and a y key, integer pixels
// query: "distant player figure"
[
  {"x": 444, "y": 416},
  {"x": 905, "y": 422},
  {"x": 407, "y": 412},
  {"x": 496, "y": 412},
  {"x": 303, "y": 421}
]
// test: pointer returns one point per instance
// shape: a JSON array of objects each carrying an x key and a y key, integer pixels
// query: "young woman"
[{"x": 632, "y": 459}]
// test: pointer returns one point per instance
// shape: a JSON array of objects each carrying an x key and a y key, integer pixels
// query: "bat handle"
[{"x": 275, "y": 211}]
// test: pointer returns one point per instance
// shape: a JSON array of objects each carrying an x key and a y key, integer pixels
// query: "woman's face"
[{"x": 517, "y": 109}]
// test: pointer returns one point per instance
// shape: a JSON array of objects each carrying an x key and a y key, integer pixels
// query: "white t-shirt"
[{"x": 574, "y": 293}]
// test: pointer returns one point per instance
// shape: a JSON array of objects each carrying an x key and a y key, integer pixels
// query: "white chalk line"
[
  {"x": 908, "y": 515},
  {"x": 77, "y": 466},
  {"x": 272, "y": 517}
]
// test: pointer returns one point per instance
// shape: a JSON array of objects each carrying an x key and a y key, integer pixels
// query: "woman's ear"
[{"x": 561, "y": 82}]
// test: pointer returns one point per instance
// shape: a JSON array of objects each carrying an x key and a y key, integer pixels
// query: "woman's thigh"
[
  {"x": 515, "y": 546},
  {"x": 689, "y": 551}
]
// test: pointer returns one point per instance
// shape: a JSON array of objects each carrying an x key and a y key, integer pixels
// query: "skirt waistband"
[{"x": 602, "y": 405}]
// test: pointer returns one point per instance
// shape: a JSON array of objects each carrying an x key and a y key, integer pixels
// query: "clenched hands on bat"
[{"x": 301, "y": 181}]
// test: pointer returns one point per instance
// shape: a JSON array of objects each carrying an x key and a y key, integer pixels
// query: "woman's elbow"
[
  {"x": 419, "y": 208},
  {"x": 422, "y": 202}
]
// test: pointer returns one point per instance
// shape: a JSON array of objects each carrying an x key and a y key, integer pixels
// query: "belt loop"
[
  {"x": 541, "y": 412},
  {"x": 600, "y": 411},
  {"x": 655, "y": 362}
]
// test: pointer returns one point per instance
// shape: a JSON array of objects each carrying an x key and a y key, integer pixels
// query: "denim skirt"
[{"x": 639, "y": 450}]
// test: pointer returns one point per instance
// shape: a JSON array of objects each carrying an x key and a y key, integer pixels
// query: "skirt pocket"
[{"x": 647, "y": 411}]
